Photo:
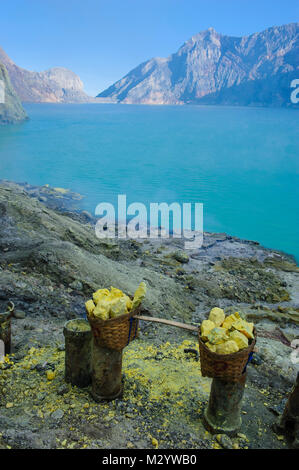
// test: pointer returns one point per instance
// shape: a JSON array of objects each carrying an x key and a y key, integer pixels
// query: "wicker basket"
[
  {"x": 117, "y": 332},
  {"x": 225, "y": 366}
]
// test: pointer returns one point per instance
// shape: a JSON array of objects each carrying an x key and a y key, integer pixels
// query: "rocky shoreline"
[{"x": 51, "y": 262}]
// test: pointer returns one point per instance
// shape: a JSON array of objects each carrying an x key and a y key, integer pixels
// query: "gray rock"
[
  {"x": 19, "y": 314},
  {"x": 224, "y": 441},
  {"x": 76, "y": 285},
  {"x": 181, "y": 256},
  {"x": 57, "y": 414}
]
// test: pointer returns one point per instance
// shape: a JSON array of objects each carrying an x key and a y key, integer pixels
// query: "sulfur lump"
[
  {"x": 118, "y": 308},
  {"x": 139, "y": 295},
  {"x": 239, "y": 338},
  {"x": 217, "y": 335},
  {"x": 230, "y": 320},
  {"x": 228, "y": 347},
  {"x": 107, "y": 304},
  {"x": 226, "y": 335},
  {"x": 244, "y": 327},
  {"x": 211, "y": 346},
  {"x": 99, "y": 295},
  {"x": 90, "y": 306},
  {"x": 217, "y": 316},
  {"x": 206, "y": 327},
  {"x": 102, "y": 310}
]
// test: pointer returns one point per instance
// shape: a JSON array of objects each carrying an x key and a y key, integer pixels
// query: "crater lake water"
[{"x": 241, "y": 163}]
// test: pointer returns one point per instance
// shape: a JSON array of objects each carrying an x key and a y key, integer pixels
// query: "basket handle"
[{"x": 167, "y": 322}]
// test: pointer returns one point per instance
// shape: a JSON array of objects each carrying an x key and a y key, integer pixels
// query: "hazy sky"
[{"x": 102, "y": 40}]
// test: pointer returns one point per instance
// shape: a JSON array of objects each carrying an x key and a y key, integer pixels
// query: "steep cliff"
[
  {"x": 56, "y": 85},
  {"x": 11, "y": 109},
  {"x": 210, "y": 63}
]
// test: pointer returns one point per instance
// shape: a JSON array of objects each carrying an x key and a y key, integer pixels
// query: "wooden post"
[
  {"x": 289, "y": 421},
  {"x": 106, "y": 372},
  {"x": 223, "y": 412},
  {"x": 5, "y": 330},
  {"x": 77, "y": 335}
]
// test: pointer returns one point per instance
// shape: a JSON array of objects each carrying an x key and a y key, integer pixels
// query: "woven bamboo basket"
[
  {"x": 117, "y": 332},
  {"x": 224, "y": 366}
]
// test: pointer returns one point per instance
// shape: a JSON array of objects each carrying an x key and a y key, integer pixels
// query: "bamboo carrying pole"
[{"x": 167, "y": 322}]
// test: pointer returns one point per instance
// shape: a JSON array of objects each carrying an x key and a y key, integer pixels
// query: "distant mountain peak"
[{"x": 210, "y": 63}]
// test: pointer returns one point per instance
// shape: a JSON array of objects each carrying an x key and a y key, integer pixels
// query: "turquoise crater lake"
[{"x": 241, "y": 163}]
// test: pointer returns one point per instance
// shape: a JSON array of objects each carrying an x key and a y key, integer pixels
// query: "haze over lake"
[{"x": 241, "y": 163}]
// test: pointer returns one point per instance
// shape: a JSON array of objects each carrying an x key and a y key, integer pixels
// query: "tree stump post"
[
  {"x": 106, "y": 372},
  {"x": 223, "y": 414},
  {"x": 289, "y": 421},
  {"x": 77, "y": 335},
  {"x": 5, "y": 331}
]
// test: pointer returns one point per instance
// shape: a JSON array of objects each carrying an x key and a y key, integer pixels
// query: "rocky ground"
[{"x": 51, "y": 262}]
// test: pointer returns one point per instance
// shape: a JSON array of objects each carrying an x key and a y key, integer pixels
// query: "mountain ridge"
[
  {"x": 209, "y": 63},
  {"x": 55, "y": 85}
]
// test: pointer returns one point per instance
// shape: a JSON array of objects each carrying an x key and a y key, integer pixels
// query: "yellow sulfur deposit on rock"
[
  {"x": 226, "y": 335},
  {"x": 206, "y": 327},
  {"x": 217, "y": 335},
  {"x": 111, "y": 304},
  {"x": 50, "y": 375},
  {"x": 239, "y": 338},
  {"x": 228, "y": 347},
  {"x": 217, "y": 316}
]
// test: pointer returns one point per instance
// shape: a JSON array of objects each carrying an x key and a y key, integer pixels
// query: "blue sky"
[{"x": 102, "y": 40}]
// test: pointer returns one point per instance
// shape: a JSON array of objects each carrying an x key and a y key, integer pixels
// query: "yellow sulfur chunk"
[
  {"x": 102, "y": 310},
  {"x": 212, "y": 347},
  {"x": 244, "y": 327},
  {"x": 129, "y": 303},
  {"x": 217, "y": 335},
  {"x": 114, "y": 292},
  {"x": 50, "y": 374},
  {"x": 206, "y": 327},
  {"x": 239, "y": 338},
  {"x": 139, "y": 295},
  {"x": 99, "y": 295},
  {"x": 119, "y": 308},
  {"x": 228, "y": 347},
  {"x": 155, "y": 443},
  {"x": 217, "y": 316},
  {"x": 229, "y": 321},
  {"x": 90, "y": 306}
]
